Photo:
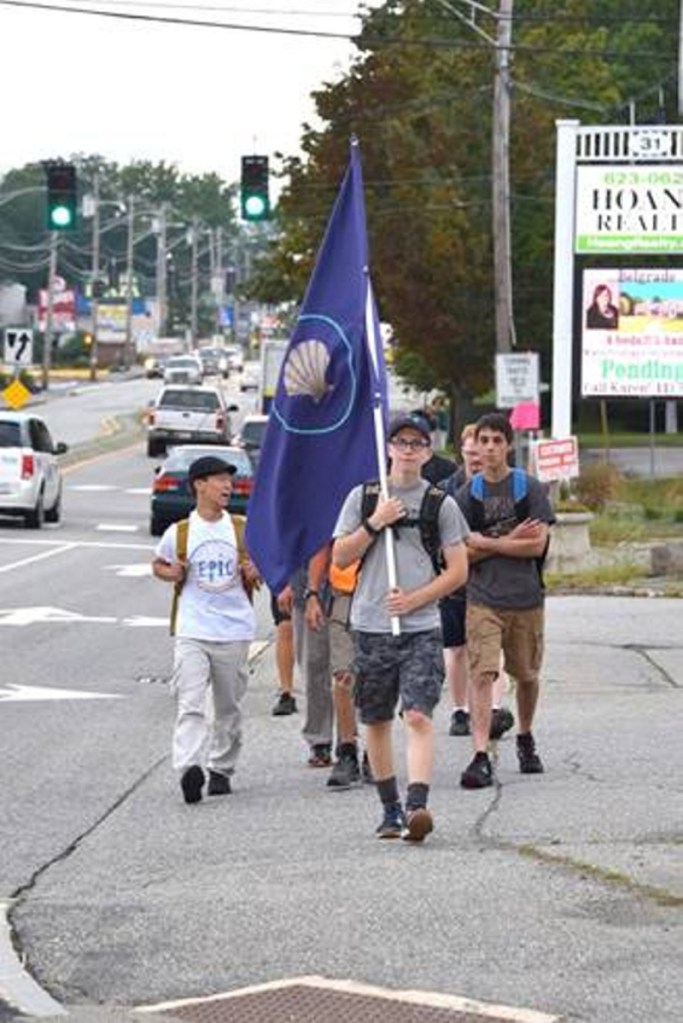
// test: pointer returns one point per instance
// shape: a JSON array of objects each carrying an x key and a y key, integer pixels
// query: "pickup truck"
[{"x": 184, "y": 415}]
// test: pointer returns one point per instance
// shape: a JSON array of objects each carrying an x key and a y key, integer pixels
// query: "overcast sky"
[{"x": 198, "y": 97}]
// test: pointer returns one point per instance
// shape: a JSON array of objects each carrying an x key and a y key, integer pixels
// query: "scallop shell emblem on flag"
[{"x": 305, "y": 370}]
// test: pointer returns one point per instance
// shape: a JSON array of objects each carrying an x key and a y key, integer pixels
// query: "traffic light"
[
  {"x": 255, "y": 200},
  {"x": 62, "y": 200}
]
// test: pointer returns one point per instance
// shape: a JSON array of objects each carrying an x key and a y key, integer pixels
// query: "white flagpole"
[{"x": 381, "y": 445}]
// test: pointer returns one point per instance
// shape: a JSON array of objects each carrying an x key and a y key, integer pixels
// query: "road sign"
[
  {"x": 18, "y": 349},
  {"x": 517, "y": 378},
  {"x": 556, "y": 459},
  {"x": 16, "y": 394}
]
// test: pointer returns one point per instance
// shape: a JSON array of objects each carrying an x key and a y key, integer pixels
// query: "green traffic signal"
[
  {"x": 255, "y": 200},
  {"x": 60, "y": 217},
  {"x": 62, "y": 196}
]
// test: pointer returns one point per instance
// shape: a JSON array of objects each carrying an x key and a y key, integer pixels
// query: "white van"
[{"x": 30, "y": 480}]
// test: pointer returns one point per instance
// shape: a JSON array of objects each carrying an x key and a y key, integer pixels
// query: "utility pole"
[
  {"x": 128, "y": 343},
  {"x": 220, "y": 290},
  {"x": 194, "y": 233},
  {"x": 161, "y": 269},
  {"x": 47, "y": 342},
  {"x": 502, "y": 254},
  {"x": 95, "y": 276},
  {"x": 500, "y": 156}
]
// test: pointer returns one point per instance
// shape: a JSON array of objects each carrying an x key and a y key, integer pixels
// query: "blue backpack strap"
[
  {"x": 520, "y": 485},
  {"x": 477, "y": 486}
]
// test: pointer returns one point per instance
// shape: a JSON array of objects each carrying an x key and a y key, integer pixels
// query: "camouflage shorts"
[{"x": 409, "y": 668}]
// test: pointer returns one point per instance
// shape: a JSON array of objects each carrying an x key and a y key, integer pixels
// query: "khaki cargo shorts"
[
  {"x": 519, "y": 634},
  {"x": 341, "y": 641}
]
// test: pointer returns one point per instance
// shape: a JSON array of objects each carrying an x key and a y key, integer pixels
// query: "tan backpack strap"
[
  {"x": 239, "y": 524},
  {"x": 182, "y": 530}
]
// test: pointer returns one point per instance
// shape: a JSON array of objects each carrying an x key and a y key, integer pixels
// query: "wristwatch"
[
  {"x": 370, "y": 529},
  {"x": 310, "y": 593}
]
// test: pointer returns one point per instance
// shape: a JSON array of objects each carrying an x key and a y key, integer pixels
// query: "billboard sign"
[
  {"x": 632, "y": 333},
  {"x": 629, "y": 209}
]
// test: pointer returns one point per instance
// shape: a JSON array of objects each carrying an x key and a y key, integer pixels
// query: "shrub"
[{"x": 599, "y": 483}]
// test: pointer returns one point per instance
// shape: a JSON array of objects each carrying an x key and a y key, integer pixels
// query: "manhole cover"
[{"x": 315, "y": 1000}]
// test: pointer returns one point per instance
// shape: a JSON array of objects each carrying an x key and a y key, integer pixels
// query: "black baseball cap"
[
  {"x": 209, "y": 465},
  {"x": 410, "y": 421}
]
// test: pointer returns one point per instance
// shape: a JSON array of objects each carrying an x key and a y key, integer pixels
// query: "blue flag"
[{"x": 320, "y": 439}]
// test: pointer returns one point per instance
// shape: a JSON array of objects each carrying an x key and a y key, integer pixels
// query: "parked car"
[
  {"x": 214, "y": 362},
  {"x": 171, "y": 496},
  {"x": 30, "y": 479},
  {"x": 251, "y": 436},
  {"x": 183, "y": 369},
  {"x": 186, "y": 415},
  {"x": 250, "y": 380}
]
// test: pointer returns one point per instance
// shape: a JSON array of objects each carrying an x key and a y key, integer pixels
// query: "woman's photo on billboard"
[{"x": 602, "y": 314}]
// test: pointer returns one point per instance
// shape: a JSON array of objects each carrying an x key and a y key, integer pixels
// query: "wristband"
[
  {"x": 370, "y": 529},
  {"x": 311, "y": 593}
]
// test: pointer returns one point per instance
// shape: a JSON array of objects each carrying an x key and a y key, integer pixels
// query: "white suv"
[{"x": 30, "y": 480}]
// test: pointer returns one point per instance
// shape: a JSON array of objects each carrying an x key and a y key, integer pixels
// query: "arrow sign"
[
  {"x": 24, "y": 694},
  {"x": 18, "y": 346}
]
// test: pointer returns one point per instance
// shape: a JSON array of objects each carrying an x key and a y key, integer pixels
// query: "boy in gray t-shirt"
[{"x": 407, "y": 667}]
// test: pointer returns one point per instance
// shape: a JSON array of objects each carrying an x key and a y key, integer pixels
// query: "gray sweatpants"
[
  {"x": 314, "y": 662},
  {"x": 198, "y": 666}
]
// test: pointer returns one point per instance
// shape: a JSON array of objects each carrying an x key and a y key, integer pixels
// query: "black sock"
[
  {"x": 417, "y": 795},
  {"x": 348, "y": 749},
  {"x": 387, "y": 789}
]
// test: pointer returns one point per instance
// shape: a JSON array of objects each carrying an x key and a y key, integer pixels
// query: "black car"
[{"x": 171, "y": 496}]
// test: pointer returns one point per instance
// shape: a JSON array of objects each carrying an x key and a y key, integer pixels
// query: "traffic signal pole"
[
  {"x": 128, "y": 343},
  {"x": 95, "y": 276},
  {"x": 47, "y": 341}
]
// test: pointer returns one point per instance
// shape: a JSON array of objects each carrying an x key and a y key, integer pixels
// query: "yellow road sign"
[{"x": 15, "y": 394}]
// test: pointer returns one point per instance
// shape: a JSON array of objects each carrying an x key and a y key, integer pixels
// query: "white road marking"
[
  {"x": 26, "y": 694},
  {"x": 92, "y": 487},
  {"x": 37, "y": 557},
  {"x": 145, "y": 622},
  {"x": 130, "y": 571},
  {"x": 33, "y": 615},
  {"x": 146, "y": 491},
  {"x": 75, "y": 544},
  {"x": 115, "y": 527}
]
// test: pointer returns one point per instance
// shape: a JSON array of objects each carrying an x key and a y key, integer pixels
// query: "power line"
[{"x": 426, "y": 42}]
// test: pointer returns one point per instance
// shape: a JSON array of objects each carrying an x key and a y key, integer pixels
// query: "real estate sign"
[
  {"x": 632, "y": 333},
  {"x": 629, "y": 208}
]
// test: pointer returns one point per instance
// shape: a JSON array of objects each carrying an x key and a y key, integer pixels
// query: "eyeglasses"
[{"x": 409, "y": 445}]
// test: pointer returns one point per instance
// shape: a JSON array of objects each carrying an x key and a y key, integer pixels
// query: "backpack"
[
  {"x": 239, "y": 523},
  {"x": 520, "y": 495},
  {"x": 345, "y": 580},
  {"x": 427, "y": 520}
]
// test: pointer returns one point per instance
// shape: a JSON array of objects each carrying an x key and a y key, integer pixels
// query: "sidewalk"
[{"x": 559, "y": 894}]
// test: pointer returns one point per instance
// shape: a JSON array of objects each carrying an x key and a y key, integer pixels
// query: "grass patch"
[
  {"x": 630, "y": 440},
  {"x": 606, "y": 575}
]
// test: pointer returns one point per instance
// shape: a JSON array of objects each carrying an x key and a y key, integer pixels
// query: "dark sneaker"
[
  {"x": 219, "y": 784},
  {"x": 419, "y": 823},
  {"x": 460, "y": 723},
  {"x": 529, "y": 760},
  {"x": 284, "y": 705},
  {"x": 479, "y": 774},
  {"x": 345, "y": 773},
  {"x": 366, "y": 770},
  {"x": 502, "y": 720},
  {"x": 320, "y": 756},
  {"x": 393, "y": 823},
  {"x": 192, "y": 783}
]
